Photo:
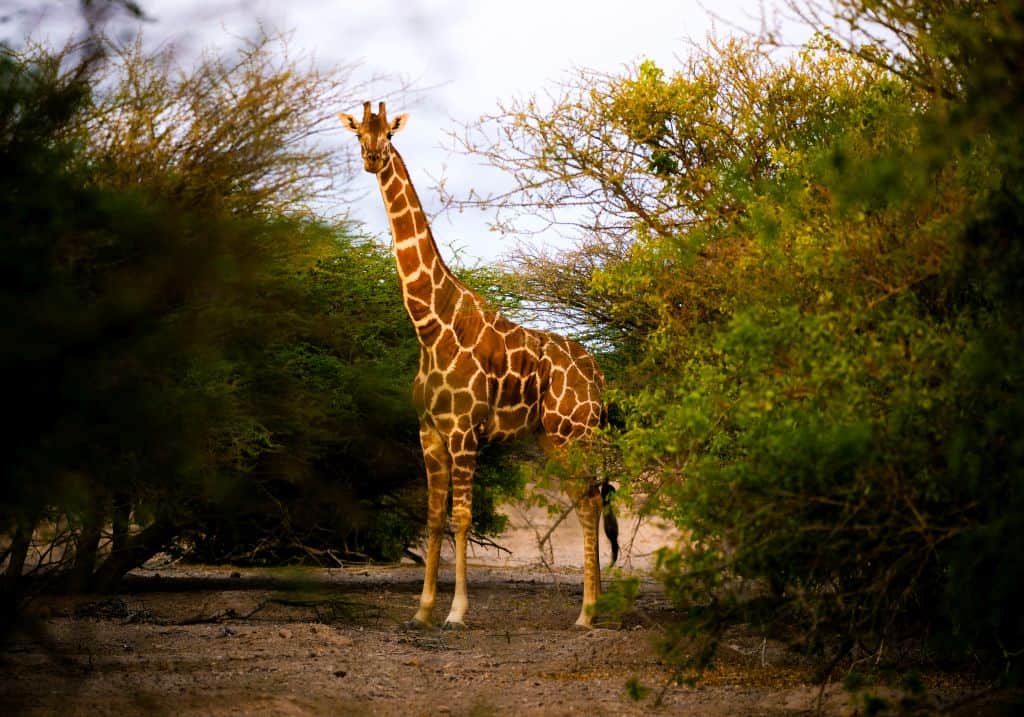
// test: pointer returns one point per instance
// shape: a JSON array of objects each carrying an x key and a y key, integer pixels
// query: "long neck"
[{"x": 429, "y": 289}]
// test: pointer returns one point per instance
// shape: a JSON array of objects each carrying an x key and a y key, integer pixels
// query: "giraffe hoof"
[
  {"x": 415, "y": 624},
  {"x": 454, "y": 626}
]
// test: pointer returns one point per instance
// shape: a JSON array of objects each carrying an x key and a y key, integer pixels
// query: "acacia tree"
[
  {"x": 185, "y": 341},
  {"x": 241, "y": 131},
  {"x": 824, "y": 254},
  {"x": 645, "y": 160}
]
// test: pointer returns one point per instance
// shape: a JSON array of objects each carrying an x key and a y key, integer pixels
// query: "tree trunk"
[
  {"x": 80, "y": 578},
  {"x": 19, "y": 550},
  {"x": 121, "y": 522},
  {"x": 137, "y": 550}
]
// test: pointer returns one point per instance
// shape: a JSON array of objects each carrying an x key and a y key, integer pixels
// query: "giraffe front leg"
[
  {"x": 462, "y": 447},
  {"x": 438, "y": 465},
  {"x": 588, "y": 509}
]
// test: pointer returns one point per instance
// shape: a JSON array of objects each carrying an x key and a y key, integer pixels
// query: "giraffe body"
[{"x": 481, "y": 378}]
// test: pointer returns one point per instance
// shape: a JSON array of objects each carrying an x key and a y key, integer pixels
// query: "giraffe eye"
[{"x": 390, "y": 135}]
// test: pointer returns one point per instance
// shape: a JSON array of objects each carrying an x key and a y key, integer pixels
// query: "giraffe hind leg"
[
  {"x": 586, "y": 497},
  {"x": 588, "y": 510}
]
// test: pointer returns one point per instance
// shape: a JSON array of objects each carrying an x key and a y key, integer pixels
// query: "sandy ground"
[
  {"x": 639, "y": 539},
  {"x": 193, "y": 640}
]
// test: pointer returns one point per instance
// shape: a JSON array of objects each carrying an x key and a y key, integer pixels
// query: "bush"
[
  {"x": 197, "y": 360},
  {"x": 822, "y": 257}
]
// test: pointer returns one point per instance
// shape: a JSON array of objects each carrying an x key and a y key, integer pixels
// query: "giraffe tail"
[
  {"x": 610, "y": 416},
  {"x": 611, "y": 523}
]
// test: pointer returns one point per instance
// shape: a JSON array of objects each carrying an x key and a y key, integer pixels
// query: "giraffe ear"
[
  {"x": 398, "y": 123},
  {"x": 348, "y": 122}
]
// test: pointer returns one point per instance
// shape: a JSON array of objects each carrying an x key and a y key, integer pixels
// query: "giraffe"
[{"x": 481, "y": 378}]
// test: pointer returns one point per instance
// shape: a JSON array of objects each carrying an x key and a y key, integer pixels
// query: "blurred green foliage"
[{"x": 195, "y": 361}]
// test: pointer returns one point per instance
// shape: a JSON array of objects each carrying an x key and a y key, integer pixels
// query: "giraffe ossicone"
[{"x": 481, "y": 378}]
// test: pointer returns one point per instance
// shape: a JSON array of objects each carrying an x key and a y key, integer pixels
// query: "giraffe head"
[{"x": 374, "y": 134}]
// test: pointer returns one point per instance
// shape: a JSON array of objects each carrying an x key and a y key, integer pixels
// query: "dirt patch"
[{"x": 216, "y": 641}]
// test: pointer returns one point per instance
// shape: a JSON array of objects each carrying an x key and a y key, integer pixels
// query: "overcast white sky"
[{"x": 468, "y": 54}]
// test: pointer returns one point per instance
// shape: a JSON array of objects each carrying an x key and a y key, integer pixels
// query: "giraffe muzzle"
[{"x": 373, "y": 161}]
